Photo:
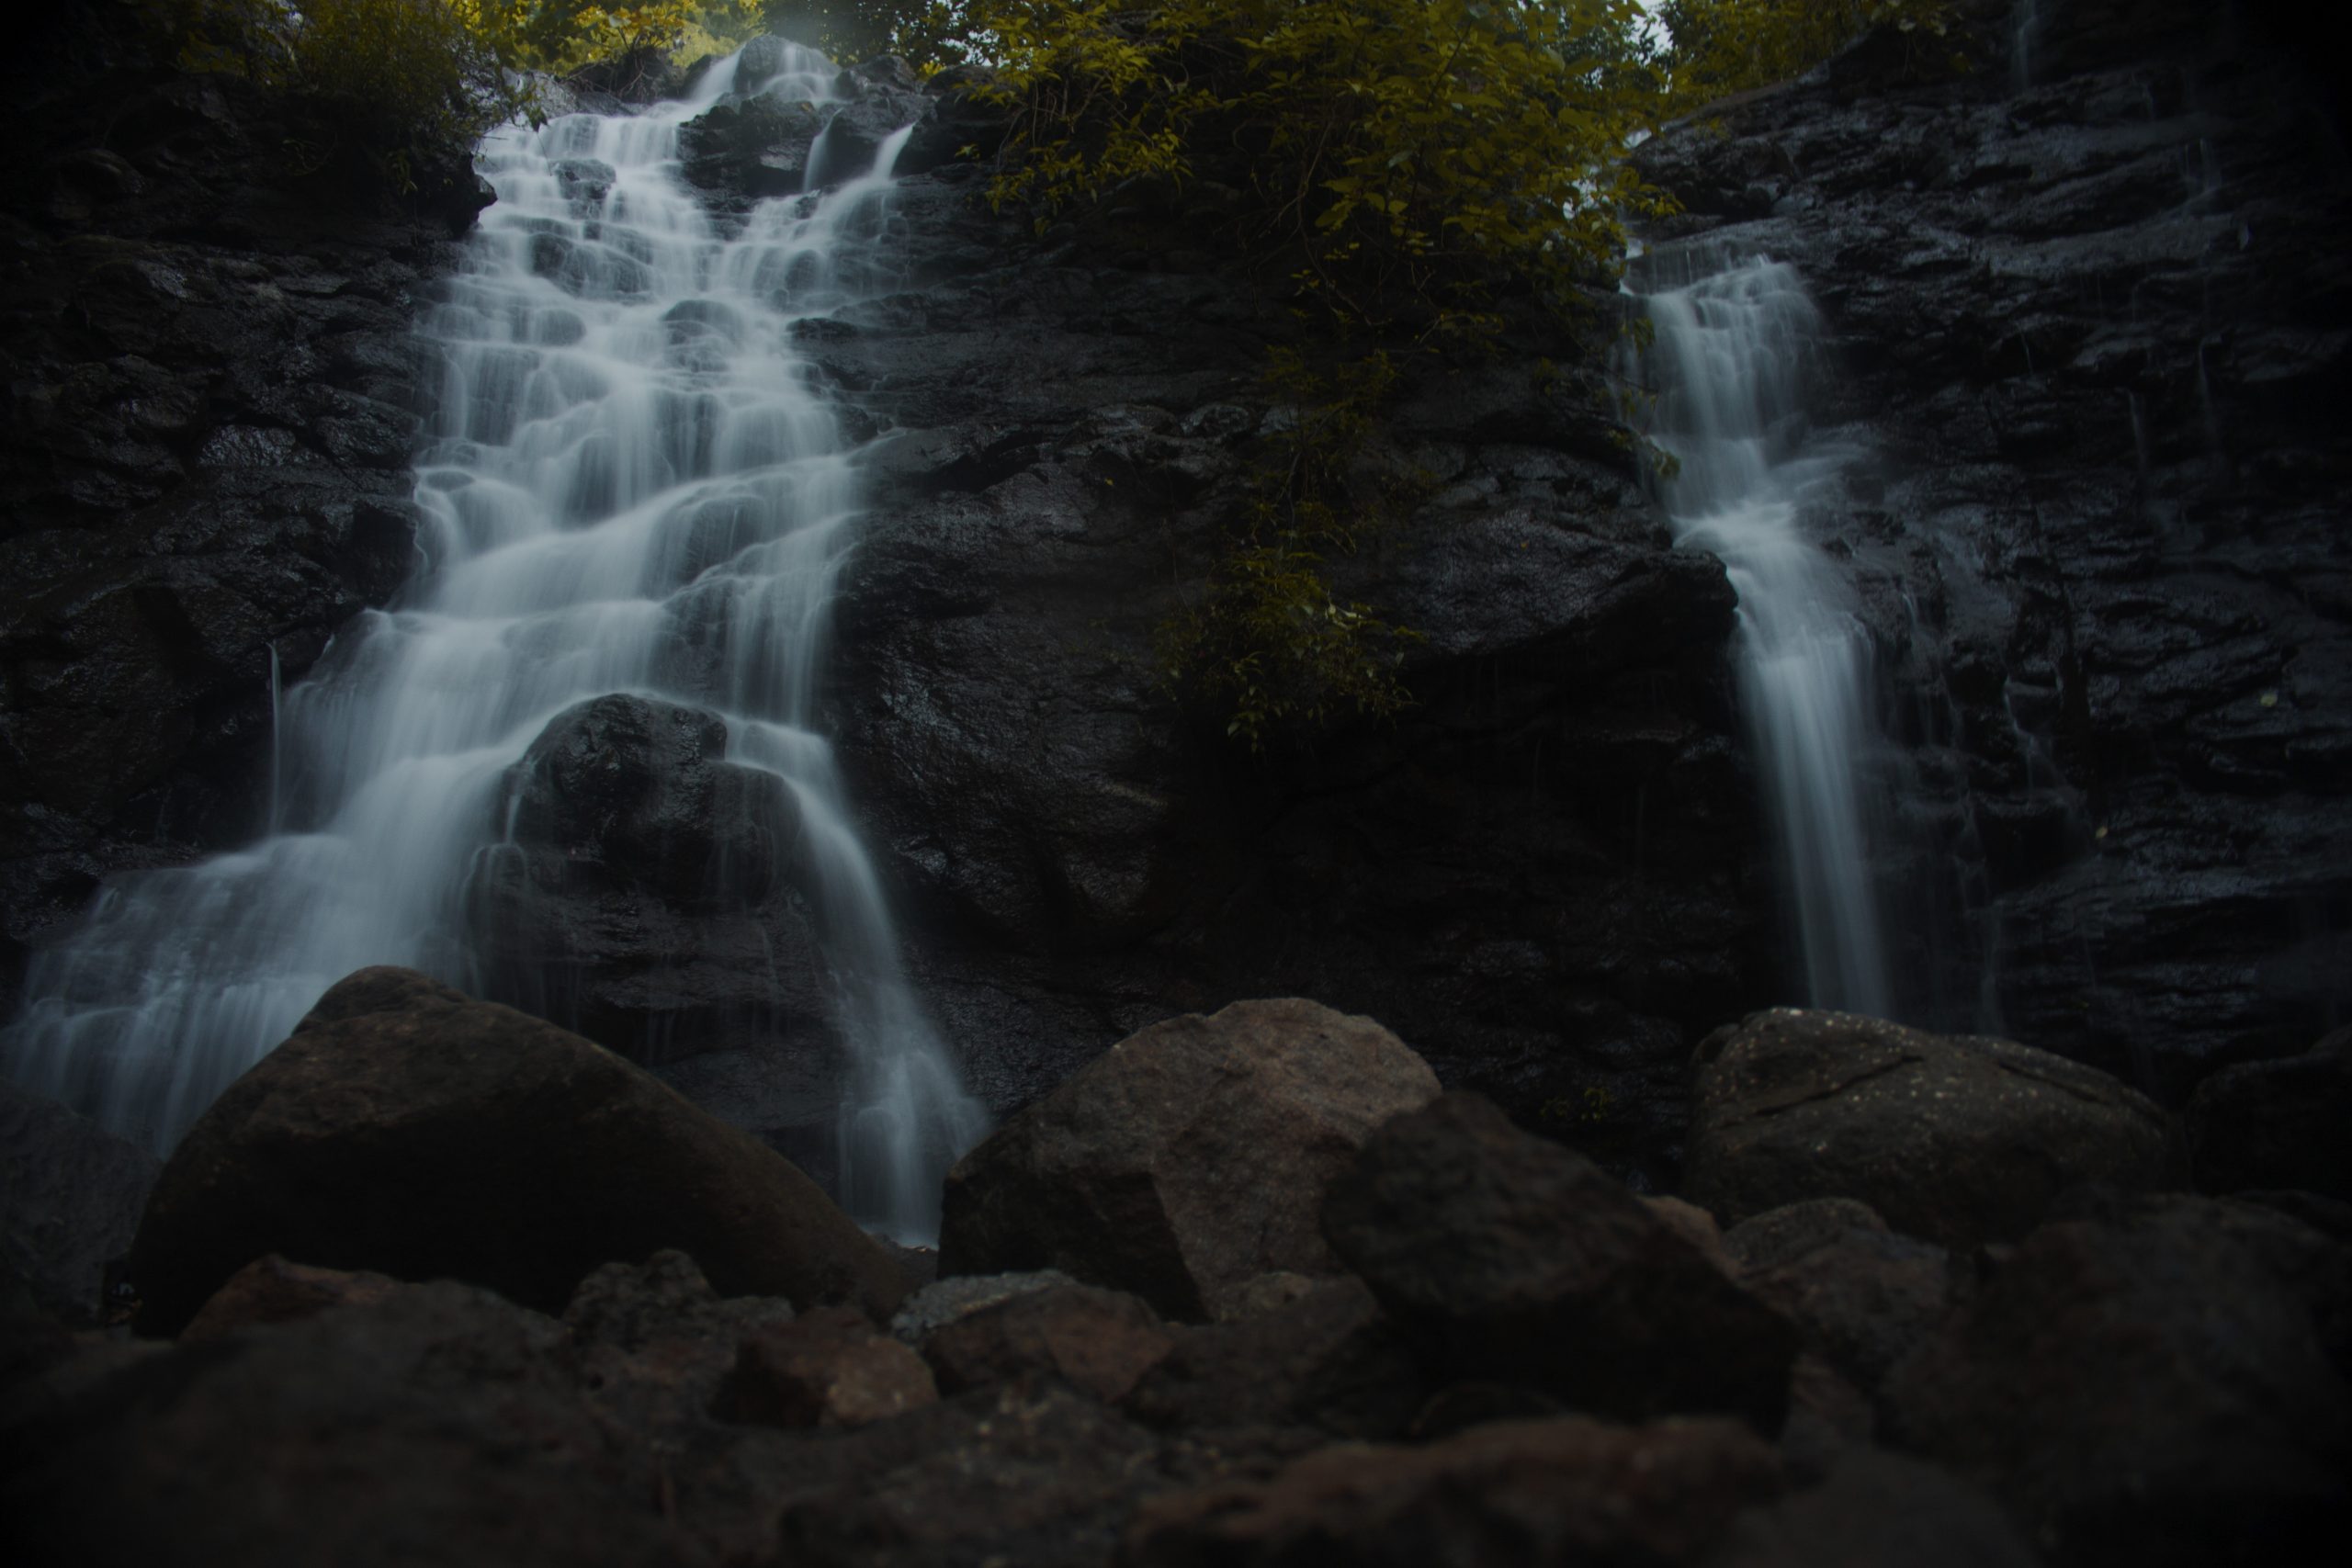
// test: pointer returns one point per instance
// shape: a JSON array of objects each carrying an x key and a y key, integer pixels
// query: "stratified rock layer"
[
  {"x": 204, "y": 469},
  {"x": 2090, "y": 310}
]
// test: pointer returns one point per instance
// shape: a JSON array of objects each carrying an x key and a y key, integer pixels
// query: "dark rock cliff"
[
  {"x": 1545, "y": 876},
  {"x": 2092, "y": 311},
  {"x": 211, "y": 390},
  {"x": 2091, "y": 322}
]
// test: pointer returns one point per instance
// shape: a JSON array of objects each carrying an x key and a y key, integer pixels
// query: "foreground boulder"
[
  {"x": 1956, "y": 1140},
  {"x": 1512, "y": 1260},
  {"x": 1186, "y": 1160},
  {"x": 828, "y": 1368},
  {"x": 2277, "y": 1124},
  {"x": 1329, "y": 1361},
  {"x": 1863, "y": 1296},
  {"x": 1876, "y": 1510},
  {"x": 437, "y": 1424},
  {"x": 1567, "y": 1490},
  {"x": 1097, "y": 1341},
  {"x": 2149, "y": 1382},
  {"x": 70, "y": 1197},
  {"x": 409, "y": 1129}
]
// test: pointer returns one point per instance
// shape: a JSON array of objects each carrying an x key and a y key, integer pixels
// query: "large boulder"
[
  {"x": 1863, "y": 1296},
  {"x": 1512, "y": 1260},
  {"x": 828, "y": 1368},
  {"x": 1186, "y": 1160},
  {"x": 1561, "y": 1490},
  {"x": 1328, "y": 1360},
  {"x": 1873, "y": 1510},
  {"x": 409, "y": 1129},
  {"x": 437, "y": 1424},
  {"x": 2276, "y": 1123},
  {"x": 1957, "y": 1140},
  {"x": 647, "y": 895},
  {"x": 1098, "y": 1341},
  {"x": 70, "y": 1197},
  {"x": 2149, "y": 1382}
]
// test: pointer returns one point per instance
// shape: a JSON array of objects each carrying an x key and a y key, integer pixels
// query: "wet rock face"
[
  {"x": 2095, "y": 330},
  {"x": 204, "y": 462},
  {"x": 650, "y": 894},
  {"x": 1546, "y": 875}
]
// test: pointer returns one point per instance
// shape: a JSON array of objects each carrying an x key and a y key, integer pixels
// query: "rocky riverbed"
[{"x": 437, "y": 1278}]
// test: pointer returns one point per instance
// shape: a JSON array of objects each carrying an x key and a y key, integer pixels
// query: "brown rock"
[
  {"x": 829, "y": 1368},
  {"x": 1188, "y": 1159},
  {"x": 1099, "y": 1342},
  {"x": 271, "y": 1290},
  {"x": 439, "y": 1424},
  {"x": 1330, "y": 1359},
  {"x": 1509, "y": 1258},
  {"x": 408, "y": 1129},
  {"x": 2276, "y": 1123},
  {"x": 1876, "y": 1510},
  {"x": 1516, "y": 1494},
  {"x": 2146, "y": 1383},
  {"x": 1955, "y": 1139},
  {"x": 1695, "y": 1226},
  {"x": 652, "y": 1343},
  {"x": 1863, "y": 1296}
]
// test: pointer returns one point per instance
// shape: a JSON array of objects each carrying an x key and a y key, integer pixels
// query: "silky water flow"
[
  {"x": 618, "y": 390},
  {"x": 1731, "y": 351}
]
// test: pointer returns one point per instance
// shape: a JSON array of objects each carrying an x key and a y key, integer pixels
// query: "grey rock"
[{"x": 71, "y": 1194}]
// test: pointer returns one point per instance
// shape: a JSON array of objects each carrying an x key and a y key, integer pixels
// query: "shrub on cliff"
[
  {"x": 402, "y": 85},
  {"x": 1721, "y": 47}
]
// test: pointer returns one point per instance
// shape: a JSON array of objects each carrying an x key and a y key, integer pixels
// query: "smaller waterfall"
[
  {"x": 1729, "y": 360},
  {"x": 2025, "y": 34}
]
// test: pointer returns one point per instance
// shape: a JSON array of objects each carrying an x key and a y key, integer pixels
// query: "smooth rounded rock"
[
  {"x": 1957, "y": 1140},
  {"x": 409, "y": 1129}
]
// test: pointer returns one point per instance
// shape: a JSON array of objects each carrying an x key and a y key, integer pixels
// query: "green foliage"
[
  {"x": 1431, "y": 150},
  {"x": 1722, "y": 47},
  {"x": 1271, "y": 648},
  {"x": 402, "y": 83},
  {"x": 852, "y": 30}
]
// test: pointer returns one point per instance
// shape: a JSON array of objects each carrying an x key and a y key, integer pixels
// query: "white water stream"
[
  {"x": 1730, "y": 358},
  {"x": 630, "y": 486}
]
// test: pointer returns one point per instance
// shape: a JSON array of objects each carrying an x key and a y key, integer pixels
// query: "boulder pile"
[{"x": 438, "y": 1281}]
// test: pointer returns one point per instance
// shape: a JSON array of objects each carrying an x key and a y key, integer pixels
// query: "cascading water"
[
  {"x": 1729, "y": 359},
  {"x": 630, "y": 486}
]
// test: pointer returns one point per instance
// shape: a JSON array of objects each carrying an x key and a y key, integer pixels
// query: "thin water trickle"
[
  {"x": 1729, "y": 360},
  {"x": 630, "y": 485}
]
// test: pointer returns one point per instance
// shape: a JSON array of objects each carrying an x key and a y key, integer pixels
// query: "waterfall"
[
  {"x": 1729, "y": 359},
  {"x": 630, "y": 485}
]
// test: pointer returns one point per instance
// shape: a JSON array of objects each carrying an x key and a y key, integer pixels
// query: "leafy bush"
[
  {"x": 1721, "y": 47},
  {"x": 403, "y": 83},
  {"x": 1426, "y": 150},
  {"x": 1270, "y": 648}
]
